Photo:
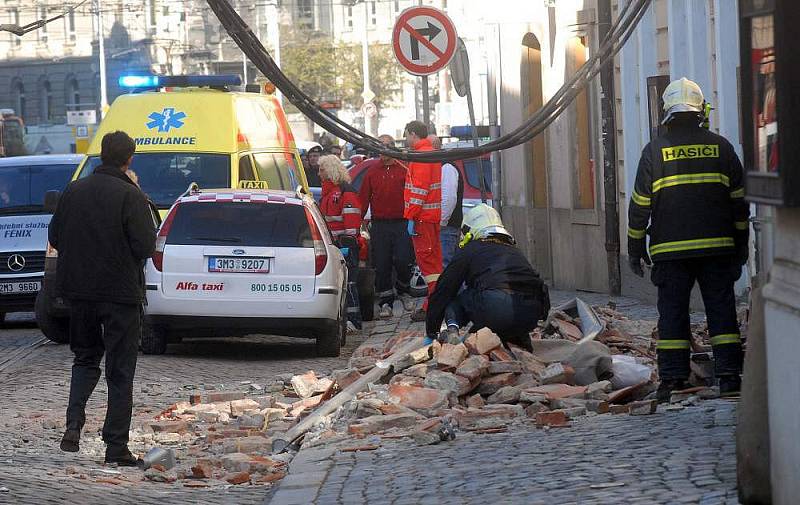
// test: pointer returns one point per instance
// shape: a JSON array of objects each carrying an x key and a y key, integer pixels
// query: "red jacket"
[
  {"x": 423, "y": 191},
  {"x": 342, "y": 209},
  {"x": 382, "y": 189}
]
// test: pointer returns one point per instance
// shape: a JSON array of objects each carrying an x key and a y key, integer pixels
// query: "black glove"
[
  {"x": 636, "y": 264},
  {"x": 742, "y": 253}
]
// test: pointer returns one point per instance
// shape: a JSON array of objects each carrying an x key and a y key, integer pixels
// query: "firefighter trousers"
[
  {"x": 428, "y": 249},
  {"x": 113, "y": 329},
  {"x": 391, "y": 253},
  {"x": 675, "y": 279}
]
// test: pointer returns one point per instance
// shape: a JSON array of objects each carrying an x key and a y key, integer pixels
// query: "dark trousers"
[
  {"x": 511, "y": 316},
  {"x": 716, "y": 276},
  {"x": 392, "y": 253},
  {"x": 114, "y": 329},
  {"x": 350, "y": 245}
]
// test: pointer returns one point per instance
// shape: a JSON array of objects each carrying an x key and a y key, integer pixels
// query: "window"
[
  {"x": 655, "y": 104},
  {"x": 153, "y": 13},
  {"x": 473, "y": 178},
  {"x": 246, "y": 169},
  {"x": 73, "y": 96},
  {"x": 350, "y": 17},
  {"x": 18, "y": 93},
  {"x": 533, "y": 100},
  {"x": 584, "y": 180},
  {"x": 397, "y": 5},
  {"x": 373, "y": 8},
  {"x": 71, "y": 25},
  {"x": 165, "y": 176},
  {"x": 278, "y": 169},
  {"x": 45, "y": 102},
  {"x": 43, "y": 30},
  {"x": 21, "y": 186}
]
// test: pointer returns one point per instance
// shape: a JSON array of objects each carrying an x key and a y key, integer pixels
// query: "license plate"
[
  {"x": 7, "y": 288},
  {"x": 238, "y": 265}
]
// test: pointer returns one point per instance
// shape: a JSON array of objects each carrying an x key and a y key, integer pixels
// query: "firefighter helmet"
[
  {"x": 682, "y": 95},
  {"x": 482, "y": 221}
]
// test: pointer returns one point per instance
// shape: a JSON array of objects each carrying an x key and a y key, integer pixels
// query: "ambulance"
[{"x": 190, "y": 130}]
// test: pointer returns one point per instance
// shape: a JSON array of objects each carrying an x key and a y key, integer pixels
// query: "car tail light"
[
  {"x": 161, "y": 239},
  {"x": 320, "y": 253}
]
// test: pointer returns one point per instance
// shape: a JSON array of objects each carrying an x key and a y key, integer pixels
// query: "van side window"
[
  {"x": 278, "y": 169},
  {"x": 246, "y": 169}
]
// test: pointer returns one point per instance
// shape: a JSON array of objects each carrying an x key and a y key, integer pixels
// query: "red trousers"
[{"x": 428, "y": 249}]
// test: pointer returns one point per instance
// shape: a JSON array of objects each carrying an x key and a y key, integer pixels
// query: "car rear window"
[
  {"x": 23, "y": 187},
  {"x": 473, "y": 179},
  {"x": 165, "y": 176},
  {"x": 242, "y": 223}
]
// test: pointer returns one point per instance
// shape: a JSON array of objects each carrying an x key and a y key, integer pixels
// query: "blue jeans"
[
  {"x": 449, "y": 237},
  {"x": 510, "y": 316}
]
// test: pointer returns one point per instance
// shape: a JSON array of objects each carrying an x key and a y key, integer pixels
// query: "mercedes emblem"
[{"x": 16, "y": 262}]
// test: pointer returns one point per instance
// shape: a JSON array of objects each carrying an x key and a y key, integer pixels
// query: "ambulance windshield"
[{"x": 165, "y": 176}]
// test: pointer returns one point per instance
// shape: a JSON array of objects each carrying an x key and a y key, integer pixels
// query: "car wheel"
[
  {"x": 330, "y": 340},
  {"x": 154, "y": 340},
  {"x": 56, "y": 329},
  {"x": 366, "y": 293},
  {"x": 418, "y": 288}
]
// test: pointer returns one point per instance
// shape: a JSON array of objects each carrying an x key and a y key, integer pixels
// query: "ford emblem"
[{"x": 238, "y": 252}]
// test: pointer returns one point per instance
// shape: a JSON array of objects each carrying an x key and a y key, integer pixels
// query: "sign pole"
[{"x": 426, "y": 105}]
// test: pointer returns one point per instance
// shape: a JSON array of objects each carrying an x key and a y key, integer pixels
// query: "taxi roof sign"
[{"x": 244, "y": 184}]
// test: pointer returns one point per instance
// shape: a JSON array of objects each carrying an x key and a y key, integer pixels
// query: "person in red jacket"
[
  {"x": 423, "y": 210},
  {"x": 341, "y": 207},
  {"x": 382, "y": 193}
]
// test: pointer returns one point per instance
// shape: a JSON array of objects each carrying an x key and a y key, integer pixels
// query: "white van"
[{"x": 24, "y": 180}]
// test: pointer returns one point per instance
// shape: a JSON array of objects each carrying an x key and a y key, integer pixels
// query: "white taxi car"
[{"x": 234, "y": 262}]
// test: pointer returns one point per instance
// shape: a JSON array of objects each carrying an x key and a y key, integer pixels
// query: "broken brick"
[
  {"x": 237, "y": 478},
  {"x": 475, "y": 401},
  {"x": 169, "y": 426},
  {"x": 473, "y": 367},
  {"x": 452, "y": 355},
  {"x": 486, "y": 340},
  {"x": 239, "y": 407},
  {"x": 375, "y": 424},
  {"x": 620, "y": 409},
  {"x": 506, "y": 394},
  {"x": 643, "y": 408},
  {"x": 224, "y": 396},
  {"x": 423, "y": 400},
  {"x": 343, "y": 378},
  {"x": 534, "y": 408},
  {"x": 556, "y": 373},
  {"x": 500, "y": 354},
  {"x": 493, "y": 383},
  {"x": 305, "y": 385},
  {"x": 555, "y": 391},
  {"x": 202, "y": 470},
  {"x": 271, "y": 477},
  {"x": 627, "y": 394},
  {"x": 195, "y": 399},
  {"x": 568, "y": 330},
  {"x": 438, "y": 379},
  {"x": 407, "y": 380},
  {"x": 556, "y": 418},
  {"x": 498, "y": 367}
]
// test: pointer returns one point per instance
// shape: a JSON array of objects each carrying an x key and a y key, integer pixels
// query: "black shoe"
[
  {"x": 70, "y": 442},
  {"x": 730, "y": 385},
  {"x": 666, "y": 387},
  {"x": 121, "y": 457}
]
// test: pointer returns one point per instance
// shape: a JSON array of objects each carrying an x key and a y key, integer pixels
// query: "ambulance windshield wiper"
[{"x": 218, "y": 239}]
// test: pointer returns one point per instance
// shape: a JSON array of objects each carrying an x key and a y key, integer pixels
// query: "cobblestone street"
[{"x": 682, "y": 456}]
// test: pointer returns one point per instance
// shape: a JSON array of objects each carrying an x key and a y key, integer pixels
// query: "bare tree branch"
[{"x": 22, "y": 30}]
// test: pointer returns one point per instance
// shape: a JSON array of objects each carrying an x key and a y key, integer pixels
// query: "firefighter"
[
  {"x": 423, "y": 210},
  {"x": 689, "y": 197},
  {"x": 503, "y": 292},
  {"x": 341, "y": 207}
]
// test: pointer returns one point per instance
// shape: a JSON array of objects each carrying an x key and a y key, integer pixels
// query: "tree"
[{"x": 325, "y": 70}]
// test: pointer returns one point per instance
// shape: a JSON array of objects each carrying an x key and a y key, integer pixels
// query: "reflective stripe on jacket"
[
  {"x": 423, "y": 190},
  {"x": 342, "y": 209}
]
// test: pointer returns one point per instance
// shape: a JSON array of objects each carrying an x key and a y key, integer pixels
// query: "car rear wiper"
[{"x": 218, "y": 239}]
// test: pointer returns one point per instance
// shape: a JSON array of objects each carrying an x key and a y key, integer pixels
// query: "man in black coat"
[{"x": 104, "y": 231}]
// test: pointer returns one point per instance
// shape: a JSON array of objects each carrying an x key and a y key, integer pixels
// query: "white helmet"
[
  {"x": 682, "y": 95},
  {"x": 482, "y": 221}
]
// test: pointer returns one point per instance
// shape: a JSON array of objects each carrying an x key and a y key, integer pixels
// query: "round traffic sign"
[{"x": 424, "y": 40}]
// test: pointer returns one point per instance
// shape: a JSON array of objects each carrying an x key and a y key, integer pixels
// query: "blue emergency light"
[{"x": 178, "y": 81}]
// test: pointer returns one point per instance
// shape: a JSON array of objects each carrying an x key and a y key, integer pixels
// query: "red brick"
[
  {"x": 170, "y": 426},
  {"x": 493, "y": 383},
  {"x": 500, "y": 354},
  {"x": 557, "y": 373},
  {"x": 556, "y": 418},
  {"x": 407, "y": 380},
  {"x": 627, "y": 394},
  {"x": 271, "y": 477},
  {"x": 473, "y": 367},
  {"x": 568, "y": 330},
  {"x": 224, "y": 396},
  {"x": 644, "y": 408},
  {"x": 475, "y": 401},
  {"x": 451, "y": 356},
  {"x": 486, "y": 340},
  {"x": 202, "y": 471},
  {"x": 556, "y": 391},
  {"x": 423, "y": 400},
  {"x": 195, "y": 399},
  {"x": 344, "y": 378},
  {"x": 238, "y": 478},
  {"x": 620, "y": 409}
]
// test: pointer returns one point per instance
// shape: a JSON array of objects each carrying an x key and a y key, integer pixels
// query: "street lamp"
[{"x": 368, "y": 95}]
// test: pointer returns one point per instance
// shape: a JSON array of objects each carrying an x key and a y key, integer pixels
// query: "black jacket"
[
  {"x": 689, "y": 188},
  {"x": 483, "y": 265},
  {"x": 103, "y": 230}
]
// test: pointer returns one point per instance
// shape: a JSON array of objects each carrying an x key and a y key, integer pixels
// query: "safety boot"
[
  {"x": 70, "y": 442},
  {"x": 730, "y": 385},
  {"x": 666, "y": 387}
]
